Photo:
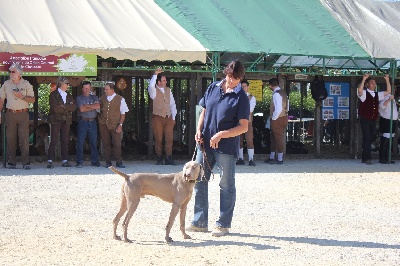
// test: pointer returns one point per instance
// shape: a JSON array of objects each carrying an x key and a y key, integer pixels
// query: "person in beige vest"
[
  {"x": 19, "y": 93},
  {"x": 279, "y": 119},
  {"x": 163, "y": 118},
  {"x": 249, "y": 134},
  {"x": 111, "y": 118}
]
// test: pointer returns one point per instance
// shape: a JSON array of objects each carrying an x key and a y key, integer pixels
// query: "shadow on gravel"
[
  {"x": 216, "y": 243},
  {"x": 324, "y": 242}
]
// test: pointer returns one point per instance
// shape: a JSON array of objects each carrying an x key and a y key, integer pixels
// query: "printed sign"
[
  {"x": 36, "y": 65},
  {"x": 255, "y": 88},
  {"x": 337, "y": 104}
]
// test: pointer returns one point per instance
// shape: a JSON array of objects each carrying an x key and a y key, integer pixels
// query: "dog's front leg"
[
  {"x": 182, "y": 215},
  {"x": 172, "y": 216}
]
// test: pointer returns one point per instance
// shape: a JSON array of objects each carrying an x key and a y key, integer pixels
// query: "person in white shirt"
[
  {"x": 388, "y": 114},
  {"x": 111, "y": 118},
  {"x": 163, "y": 116},
  {"x": 249, "y": 134},
  {"x": 368, "y": 112},
  {"x": 279, "y": 108}
]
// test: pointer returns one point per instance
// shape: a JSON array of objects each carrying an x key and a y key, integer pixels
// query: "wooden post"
[{"x": 317, "y": 129}]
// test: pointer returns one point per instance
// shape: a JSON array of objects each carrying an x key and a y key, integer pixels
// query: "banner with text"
[{"x": 51, "y": 65}]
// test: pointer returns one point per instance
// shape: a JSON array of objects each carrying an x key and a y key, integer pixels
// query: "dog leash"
[{"x": 204, "y": 159}]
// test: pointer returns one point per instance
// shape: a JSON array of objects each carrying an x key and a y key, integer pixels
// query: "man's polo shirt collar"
[{"x": 236, "y": 89}]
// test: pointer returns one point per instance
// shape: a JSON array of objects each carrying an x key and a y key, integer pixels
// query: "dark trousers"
[
  {"x": 59, "y": 129},
  {"x": 384, "y": 150},
  {"x": 368, "y": 128},
  {"x": 88, "y": 128},
  {"x": 111, "y": 141},
  {"x": 17, "y": 127}
]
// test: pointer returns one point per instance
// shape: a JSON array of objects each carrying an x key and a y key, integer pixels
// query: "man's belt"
[
  {"x": 17, "y": 111},
  {"x": 88, "y": 119}
]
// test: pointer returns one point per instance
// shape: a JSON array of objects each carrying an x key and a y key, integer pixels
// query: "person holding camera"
[{"x": 19, "y": 93}]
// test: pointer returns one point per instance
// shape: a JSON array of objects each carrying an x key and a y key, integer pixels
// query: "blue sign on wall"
[{"x": 337, "y": 104}]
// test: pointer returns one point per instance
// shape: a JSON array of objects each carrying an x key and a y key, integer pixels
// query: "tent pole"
[
  {"x": 393, "y": 69},
  {"x": 216, "y": 65}
]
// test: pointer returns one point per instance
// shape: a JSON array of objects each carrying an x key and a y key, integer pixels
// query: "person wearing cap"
[
  {"x": 163, "y": 118},
  {"x": 111, "y": 118},
  {"x": 19, "y": 93},
  {"x": 87, "y": 104},
  {"x": 279, "y": 108},
  {"x": 368, "y": 112},
  {"x": 249, "y": 134},
  {"x": 62, "y": 105}
]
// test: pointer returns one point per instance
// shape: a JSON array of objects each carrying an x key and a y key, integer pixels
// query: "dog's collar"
[{"x": 192, "y": 181}]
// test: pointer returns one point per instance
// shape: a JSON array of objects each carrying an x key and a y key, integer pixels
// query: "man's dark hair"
[
  {"x": 236, "y": 69},
  {"x": 369, "y": 79},
  {"x": 111, "y": 85},
  {"x": 159, "y": 76},
  {"x": 86, "y": 82},
  {"x": 245, "y": 81},
  {"x": 273, "y": 82}
]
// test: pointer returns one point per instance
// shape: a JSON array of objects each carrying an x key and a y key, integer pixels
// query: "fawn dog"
[{"x": 175, "y": 188}]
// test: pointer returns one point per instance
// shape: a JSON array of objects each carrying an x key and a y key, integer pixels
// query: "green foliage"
[
  {"x": 43, "y": 99},
  {"x": 294, "y": 103}
]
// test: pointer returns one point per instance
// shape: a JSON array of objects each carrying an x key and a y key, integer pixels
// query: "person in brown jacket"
[
  {"x": 62, "y": 104},
  {"x": 112, "y": 116}
]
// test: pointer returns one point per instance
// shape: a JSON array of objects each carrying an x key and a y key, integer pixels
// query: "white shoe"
[
  {"x": 193, "y": 228},
  {"x": 220, "y": 231}
]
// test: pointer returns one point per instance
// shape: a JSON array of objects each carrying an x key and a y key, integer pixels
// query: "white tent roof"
[
  {"x": 374, "y": 24},
  {"x": 124, "y": 29}
]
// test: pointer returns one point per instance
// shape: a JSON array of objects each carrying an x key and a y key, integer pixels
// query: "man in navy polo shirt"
[{"x": 224, "y": 118}]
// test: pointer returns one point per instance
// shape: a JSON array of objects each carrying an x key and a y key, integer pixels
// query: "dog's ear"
[{"x": 184, "y": 168}]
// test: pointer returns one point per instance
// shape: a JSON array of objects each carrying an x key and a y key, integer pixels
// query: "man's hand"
[
  {"x": 366, "y": 76},
  {"x": 18, "y": 94},
  {"x": 386, "y": 77},
  {"x": 119, "y": 129},
  {"x": 158, "y": 71},
  {"x": 215, "y": 140}
]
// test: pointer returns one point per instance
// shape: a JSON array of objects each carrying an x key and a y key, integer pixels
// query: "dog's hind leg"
[
  {"x": 132, "y": 206},
  {"x": 121, "y": 212}
]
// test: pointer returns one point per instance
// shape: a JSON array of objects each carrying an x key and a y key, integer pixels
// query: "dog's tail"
[{"x": 118, "y": 172}]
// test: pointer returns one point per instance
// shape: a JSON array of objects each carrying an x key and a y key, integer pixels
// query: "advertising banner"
[{"x": 36, "y": 65}]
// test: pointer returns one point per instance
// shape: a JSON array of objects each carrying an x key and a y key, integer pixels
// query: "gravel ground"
[{"x": 305, "y": 212}]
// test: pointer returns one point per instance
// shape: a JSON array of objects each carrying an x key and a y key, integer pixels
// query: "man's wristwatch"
[{"x": 120, "y": 124}]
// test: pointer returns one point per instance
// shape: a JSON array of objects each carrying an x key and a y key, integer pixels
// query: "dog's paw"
[
  {"x": 117, "y": 237},
  {"x": 169, "y": 239},
  {"x": 186, "y": 236},
  {"x": 126, "y": 240}
]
